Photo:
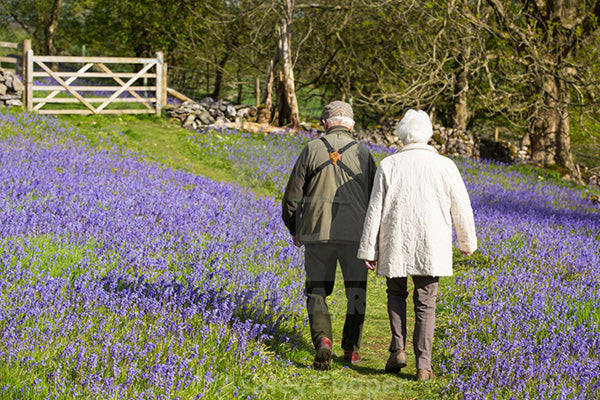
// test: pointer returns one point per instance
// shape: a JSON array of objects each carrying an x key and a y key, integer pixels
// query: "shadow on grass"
[
  {"x": 370, "y": 371},
  {"x": 298, "y": 351},
  {"x": 246, "y": 309}
]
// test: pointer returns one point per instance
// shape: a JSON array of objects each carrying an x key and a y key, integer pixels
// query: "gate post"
[
  {"x": 164, "y": 85},
  {"x": 25, "y": 72},
  {"x": 29, "y": 84},
  {"x": 159, "y": 82}
]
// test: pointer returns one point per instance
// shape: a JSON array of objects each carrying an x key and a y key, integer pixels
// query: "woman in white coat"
[{"x": 416, "y": 196}]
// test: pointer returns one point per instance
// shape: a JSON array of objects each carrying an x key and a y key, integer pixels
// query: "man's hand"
[
  {"x": 297, "y": 242},
  {"x": 371, "y": 264}
]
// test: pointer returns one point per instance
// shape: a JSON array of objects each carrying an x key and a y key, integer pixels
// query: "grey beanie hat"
[{"x": 337, "y": 109}]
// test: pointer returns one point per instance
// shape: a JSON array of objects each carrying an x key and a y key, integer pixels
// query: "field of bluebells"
[
  {"x": 526, "y": 325},
  {"x": 125, "y": 279}
]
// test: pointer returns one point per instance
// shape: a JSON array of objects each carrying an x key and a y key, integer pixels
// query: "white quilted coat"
[{"x": 416, "y": 196}]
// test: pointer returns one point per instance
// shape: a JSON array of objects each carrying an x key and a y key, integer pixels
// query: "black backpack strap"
[
  {"x": 327, "y": 144},
  {"x": 335, "y": 158},
  {"x": 346, "y": 147},
  {"x": 330, "y": 150},
  {"x": 347, "y": 169}
]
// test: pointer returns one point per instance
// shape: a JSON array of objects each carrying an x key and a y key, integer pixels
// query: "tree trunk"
[
  {"x": 287, "y": 104},
  {"x": 219, "y": 77},
  {"x": 551, "y": 133},
  {"x": 545, "y": 123},
  {"x": 207, "y": 78},
  {"x": 283, "y": 108},
  {"x": 461, "y": 88},
  {"x": 288, "y": 72},
  {"x": 563, "y": 151},
  {"x": 51, "y": 28},
  {"x": 240, "y": 92},
  {"x": 267, "y": 97}
]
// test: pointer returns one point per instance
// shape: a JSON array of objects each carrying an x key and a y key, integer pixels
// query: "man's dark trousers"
[{"x": 320, "y": 262}]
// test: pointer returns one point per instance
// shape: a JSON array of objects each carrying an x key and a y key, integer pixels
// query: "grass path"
[{"x": 164, "y": 141}]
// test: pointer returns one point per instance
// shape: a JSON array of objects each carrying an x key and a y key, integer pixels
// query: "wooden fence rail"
[
  {"x": 11, "y": 61},
  {"x": 60, "y": 84}
]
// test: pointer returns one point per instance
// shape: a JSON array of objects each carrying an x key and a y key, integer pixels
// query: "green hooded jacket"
[{"x": 329, "y": 205}]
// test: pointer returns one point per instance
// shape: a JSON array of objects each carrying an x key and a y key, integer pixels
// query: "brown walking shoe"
[
  {"x": 323, "y": 357},
  {"x": 396, "y": 362},
  {"x": 353, "y": 357},
  {"x": 424, "y": 375}
]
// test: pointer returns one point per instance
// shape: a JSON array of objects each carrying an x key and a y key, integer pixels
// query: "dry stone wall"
[
  {"x": 209, "y": 112},
  {"x": 11, "y": 89}
]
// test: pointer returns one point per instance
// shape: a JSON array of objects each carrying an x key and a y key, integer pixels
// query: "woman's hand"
[{"x": 371, "y": 264}]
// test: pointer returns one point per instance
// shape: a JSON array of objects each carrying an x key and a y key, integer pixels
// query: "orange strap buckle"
[{"x": 335, "y": 156}]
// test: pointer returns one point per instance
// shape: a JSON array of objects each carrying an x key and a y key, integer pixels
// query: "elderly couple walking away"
[{"x": 396, "y": 218}]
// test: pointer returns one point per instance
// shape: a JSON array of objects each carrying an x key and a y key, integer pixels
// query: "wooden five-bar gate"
[
  {"x": 143, "y": 83},
  {"x": 90, "y": 85}
]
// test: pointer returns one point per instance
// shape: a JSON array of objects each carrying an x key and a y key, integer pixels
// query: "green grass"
[
  {"x": 366, "y": 380},
  {"x": 53, "y": 254},
  {"x": 157, "y": 140}
]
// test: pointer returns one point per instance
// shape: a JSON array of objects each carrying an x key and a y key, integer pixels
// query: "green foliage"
[{"x": 137, "y": 27}]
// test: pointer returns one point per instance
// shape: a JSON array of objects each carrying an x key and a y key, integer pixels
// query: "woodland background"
[{"x": 528, "y": 68}]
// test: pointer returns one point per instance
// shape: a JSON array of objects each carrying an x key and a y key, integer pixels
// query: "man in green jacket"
[{"x": 324, "y": 208}]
